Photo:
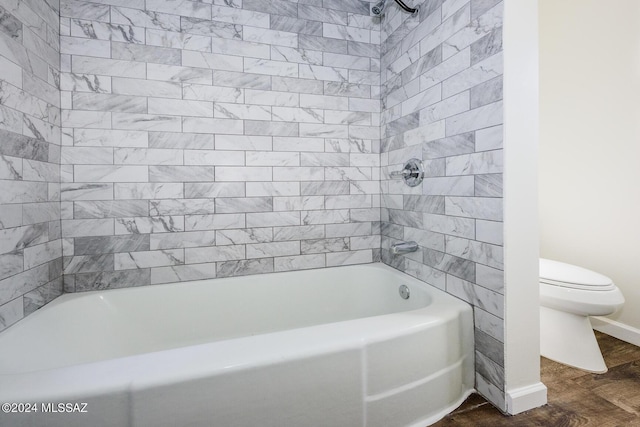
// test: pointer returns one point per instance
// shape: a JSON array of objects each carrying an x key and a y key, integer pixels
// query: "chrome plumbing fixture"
[
  {"x": 404, "y": 291},
  {"x": 378, "y": 8},
  {"x": 404, "y": 248},
  {"x": 412, "y": 172}
]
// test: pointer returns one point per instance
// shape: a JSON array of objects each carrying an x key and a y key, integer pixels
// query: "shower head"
[{"x": 378, "y": 8}]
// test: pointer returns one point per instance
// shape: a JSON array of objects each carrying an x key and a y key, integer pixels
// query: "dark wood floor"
[{"x": 576, "y": 398}]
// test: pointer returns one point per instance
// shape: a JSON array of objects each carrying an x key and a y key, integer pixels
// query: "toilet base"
[{"x": 569, "y": 339}]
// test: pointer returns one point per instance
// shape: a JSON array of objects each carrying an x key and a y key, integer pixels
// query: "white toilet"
[{"x": 568, "y": 296}]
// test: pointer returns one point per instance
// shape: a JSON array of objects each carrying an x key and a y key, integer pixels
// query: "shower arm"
[
  {"x": 405, "y": 7},
  {"x": 378, "y": 8}
]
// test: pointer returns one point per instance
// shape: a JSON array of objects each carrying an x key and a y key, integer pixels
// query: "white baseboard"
[
  {"x": 525, "y": 398},
  {"x": 616, "y": 329}
]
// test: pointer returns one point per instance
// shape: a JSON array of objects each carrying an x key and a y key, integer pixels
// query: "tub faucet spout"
[{"x": 404, "y": 248}]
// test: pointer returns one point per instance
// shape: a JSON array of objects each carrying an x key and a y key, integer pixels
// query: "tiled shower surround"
[
  {"x": 209, "y": 140},
  {"x": 230, "y": 137},
  {"x": 442, "y": 103},
  {"x": 30, "y": 245}
]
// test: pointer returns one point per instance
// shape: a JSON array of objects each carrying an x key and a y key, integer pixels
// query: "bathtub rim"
[
  {"x": 70, "y": 296},
  {"x": 135, "y": 291}
]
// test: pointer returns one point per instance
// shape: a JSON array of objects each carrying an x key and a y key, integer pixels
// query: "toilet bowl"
[{"x": 568, "y": 296}]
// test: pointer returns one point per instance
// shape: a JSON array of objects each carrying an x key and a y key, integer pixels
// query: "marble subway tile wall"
[
  {"x": 207, "y": 139},
  {"x": 30, "y": 244},
  {"x": 441, "y": 78}
]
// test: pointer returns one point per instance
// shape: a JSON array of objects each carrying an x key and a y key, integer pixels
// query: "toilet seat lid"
[{"x": 571, "y": 276}]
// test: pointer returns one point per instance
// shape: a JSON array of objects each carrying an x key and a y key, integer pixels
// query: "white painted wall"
[
  {"x": 589, "y": 172},
  {"x": 522, "y": 315}
]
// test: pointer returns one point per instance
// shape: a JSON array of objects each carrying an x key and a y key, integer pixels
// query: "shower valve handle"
[
  {"x": 401, "y": 174},
  {"x": 412, "y": 172}
]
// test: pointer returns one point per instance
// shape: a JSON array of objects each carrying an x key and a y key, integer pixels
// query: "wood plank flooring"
[{"x": 576, "y": 398}]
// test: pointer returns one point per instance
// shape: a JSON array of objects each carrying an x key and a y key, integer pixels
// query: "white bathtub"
[{"x": 330, "y": 347}]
